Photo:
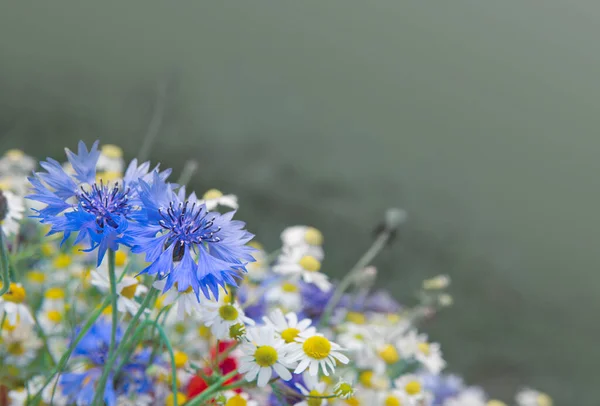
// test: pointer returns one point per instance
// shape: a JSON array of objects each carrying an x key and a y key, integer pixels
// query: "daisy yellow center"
[
  {"x": 392, "y": 401},
  {"x": 170, "y": 400},
  {"x": 62, "y": 261},
  {"x": 212, "y": 194},
  {"x": 265, "y": 356},
  {"x": 108, "y": 176},
  {"x": 289, "y": 287},
  {"x": 413, "y": 388},
  {"x": 228, "y": 313},
  {"x": 356, "y": 318},
  {"x": 310, "y": 263},
  {"x": 236, "y": 400},
  {"x": 181, "y": 359},
  {"x": 9, "y": 327},
  {"x": 257, "y": 245},
  {"x": 314, "y": 401},
  {"x": 36, "y": 277},
  {"x": 47, "y": 249},
  {"x": 424, "y": 348},
  {"x": 494, "y": 402},
  {"x": 344, "y": 389},
  {"x": 389, "y": 354},
  {"x": 112, "y": 151},
  {"x": 180, "y": 328},
  {"x": 290, "y": 334},
  {"x": 15, "y": 294},
  {"x": 317, "y": 347},
  {"x": 15, "y": 348},
  {"x": 54, "y": 316},
  {"x": 544, "y": 400},
  {"x": 120, "y": 258},
  {"x": 204, "y": 331},
  {"x": 129, "y": 291},
  {"x": 55, "y": 294},
  {"x": 352, "y": 402},
  {"x": 366, "y": 378},
  {"x": 313, "y": 236},
  {"x": 14, "y": 154},
  {"x": 160, "y": 301}
]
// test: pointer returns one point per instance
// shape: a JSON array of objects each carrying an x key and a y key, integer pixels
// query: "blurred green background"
[{"x": 479, "y": 117}]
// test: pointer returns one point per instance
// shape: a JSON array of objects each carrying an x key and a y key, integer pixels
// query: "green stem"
[
  {"x": 65, "y": 357},
  {"x": 4, "y": 265},
  {"x": 211, "y": 390},
  {"x": 365, "y": 260}
]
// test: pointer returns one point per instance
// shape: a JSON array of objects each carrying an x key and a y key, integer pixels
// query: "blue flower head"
[
  {"x": 185, "y": 243},
  {"x": 76, "y": 203}
]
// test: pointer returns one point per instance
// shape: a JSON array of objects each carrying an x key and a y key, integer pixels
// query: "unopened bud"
[{"x": 394, "y": 218}]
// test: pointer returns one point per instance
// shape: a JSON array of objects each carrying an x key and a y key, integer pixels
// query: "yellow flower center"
[
  {"x": 317, "y": 347},
  {"x": 170, "y": 400},
  {"x": 228, "y": 313},
  {"x": 180, "y": 328},
  {"x": 314, "y": 401},
  {"x": 413, "y": 388},
  {"x": 352, "y": 402},
  {"x": 181, "y": 359},
  {"x": 212, "y": 194},
  {"x": 54, "y": 316},
  {"x": 120, "y": 258},
  {"x": 265, "y": 356},
  {"x": 313, "y": 236},
  {"x": 14, "y": 154},
  {"x": 424, "y": 348},
  {"x": 389, "y": 354},
  {"x": 310, "y": 263},
  {"x": 15, "y": 294},
  {"x": 47, "y": 249},
  {"x": 257, "y": 245},
  {"x": 366, "y": 378},
  {"x": 62, "y": 261},
  {"x": 129, "y": 291},
  {"x": 9, "y": 327},
  {"x": 356, "y": 318},
  {"x": 289, "y": 287},
  {"x": 494, "y": 402},
  {"x": 15, "y": 348},
  {"x": 544, "y": 400},
  {"x": 36, "y": 277},
  {"x": 204, "y": 331},
  {"x": 159, "y": 302},
  {"x": 236, "y": 400},
  {"x": 344, "y": 389},
  {"x": 392, "y": 401},
  {"x": 111, "y": 151},
  {"x": 289, "y": 334},
  {"x": 55, "y": 294},
  {"x": 108, "y": 176}
]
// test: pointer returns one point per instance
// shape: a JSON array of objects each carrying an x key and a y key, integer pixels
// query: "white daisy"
[
  {"x": 295, "y": 262},
  {"x": 314, "y": 352},
  {"x": 238, "y": 399},
  {"x": 467, "y": 397},
  {"x": 110, "y": 159},
  {"x": 19, "y": 345},
  {"x": 127, "y": 289},
  {"x": 263, "y": 354},
  {"x": 52, "y": 321},
  {"x": 312, "y": 387},
  {"x": 286, "y": 295},
  {"x": 414, "y": 345},
  {"x": 532, "y": 397},
  {"x": 11, "y": 212},
  {"x": 222, "y": 316},
  {"x": 308, "y": 239},
  {"x": 214, "y": 198},
  {"x": 184, "y": 303},
  {"x": 11, "y": 303},
  {"x": 288, "y": 327},
  {"x": 411, "y": 387},
  {"x": 392, "y": 397},
  {"x": 15, "y": 161}
]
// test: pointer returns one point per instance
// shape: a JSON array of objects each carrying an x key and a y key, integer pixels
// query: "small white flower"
[
  {"x": 52, "y": 321},
  {"x": 414, "y": 345},
  {"x": 221, "y": 316},
  {"x": 17, "y": 397},
  {"x": 393, "y": 397},
  {"x": 532, "y": 397},
  {"x": 214, "y": 198},
  {"x": 16, "y": 162},
  {"x": 467, "y": 397},
  {"x": 110, "y": 159},
  {"x": 19, "y": 345},
  {"x": 312, "y": 388},
  {"x": 286, "y": 295},
  {"x": 263, "y": 354},
  {"x": 184, "y": 303},
  {"x": 127, "y": 289},
  {"x": 11, "y": 304},
  {"x": 296, "y": 263},
  {"x": 11, "y": 212},
  {"x": 314, "y": 352},
  {"x": 288, "y": 327},
  {"x": 233, "y": 398},
  {"x": 308, "y": 239},
  {"x": 411, "y": 386}
]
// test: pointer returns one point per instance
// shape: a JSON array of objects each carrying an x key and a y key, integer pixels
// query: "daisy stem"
[
  {"x": 211, "y": 390},
  {"x": 379, "y": 243},
  {"x": 65, "y": 357},
  {"x": 4, "y": 265}
]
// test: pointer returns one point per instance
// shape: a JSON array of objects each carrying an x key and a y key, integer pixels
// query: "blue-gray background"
[{"x": 481, "y": 118}]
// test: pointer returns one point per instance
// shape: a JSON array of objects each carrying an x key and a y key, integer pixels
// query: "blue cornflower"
[
  {"x": 185, "y": 243},
  {"x": 75, "y": 203},
  {"x": 80, "y": 387}
]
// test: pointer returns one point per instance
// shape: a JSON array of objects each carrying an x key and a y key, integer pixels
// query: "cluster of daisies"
[{"x": 121, "y": 288}]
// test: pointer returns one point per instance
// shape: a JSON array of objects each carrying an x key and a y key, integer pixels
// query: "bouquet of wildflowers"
[{"x": 121, "y": 287}]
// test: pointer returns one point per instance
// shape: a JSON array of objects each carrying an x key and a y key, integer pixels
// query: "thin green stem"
[
  {"x": 211, "y": 390},
  {"x": 379, "y": 243},
  {"x": 65, "y": 357},
  {"x": 4, "y": 265}
]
